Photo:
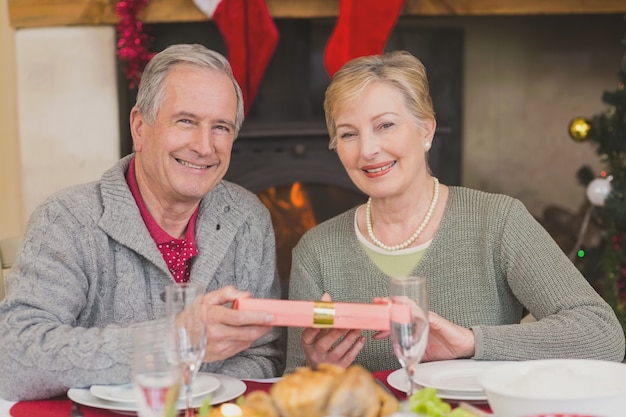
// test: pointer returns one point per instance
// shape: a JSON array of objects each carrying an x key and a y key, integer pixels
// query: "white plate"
[
  {"x": 203, "y": 384},
  {"x": 398, "y": 379},
  {"x": 230, "y": 388},
  {"x": 455, "y": 375}
]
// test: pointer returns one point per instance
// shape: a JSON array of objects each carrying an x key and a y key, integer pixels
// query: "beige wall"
[
  {"x": 68, "y": 114},
  {"x": 11, "y": 208},
  {"x": 525, "y": 79}
]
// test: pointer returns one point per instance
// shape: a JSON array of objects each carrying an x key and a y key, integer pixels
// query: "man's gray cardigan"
[{"x": 89, "y": 275}]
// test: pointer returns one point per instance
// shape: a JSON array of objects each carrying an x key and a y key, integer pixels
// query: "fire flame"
[
  {"x": 292, "y": 215},
  {"x": 291, "y": 212}
]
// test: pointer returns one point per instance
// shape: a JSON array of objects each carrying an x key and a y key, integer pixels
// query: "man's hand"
[{"x": 230, "y": 331}]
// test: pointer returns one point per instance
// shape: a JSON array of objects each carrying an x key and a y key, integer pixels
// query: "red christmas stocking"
[
  {"x": 362, "y": 29},
  {"x": 251, "y": 38}
]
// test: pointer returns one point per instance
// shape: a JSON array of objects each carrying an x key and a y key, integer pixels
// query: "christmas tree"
[{"x": 605, "y": 265}]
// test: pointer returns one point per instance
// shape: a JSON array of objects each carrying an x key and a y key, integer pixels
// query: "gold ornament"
[{"x": 579, "y": 129}]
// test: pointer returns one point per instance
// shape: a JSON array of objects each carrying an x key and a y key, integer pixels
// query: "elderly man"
[{"x": 97, "y": 257}]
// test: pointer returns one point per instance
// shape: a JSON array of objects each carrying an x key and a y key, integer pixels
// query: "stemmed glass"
[
  {"x": 156, "y": 379},
  {"x": 189, "y": 341},
  {"x": 408, "y": 298}
]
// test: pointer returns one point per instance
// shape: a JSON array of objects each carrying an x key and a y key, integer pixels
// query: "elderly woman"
[{"x": 485, "y": 257}]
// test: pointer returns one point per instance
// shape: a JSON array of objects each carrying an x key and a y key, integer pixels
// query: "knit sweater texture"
[
  {"x": 89, "y": 275},
  {"x": 488, "y": 260}
]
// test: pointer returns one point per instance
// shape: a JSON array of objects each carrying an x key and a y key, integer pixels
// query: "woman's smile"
[{"x": 373, "y": 171}]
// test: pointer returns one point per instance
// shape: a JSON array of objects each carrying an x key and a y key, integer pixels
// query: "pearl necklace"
[{"x": 420, "y": 229}]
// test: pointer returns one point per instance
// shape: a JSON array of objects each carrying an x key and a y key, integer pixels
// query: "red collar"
[{"x": 158, "y": 234}]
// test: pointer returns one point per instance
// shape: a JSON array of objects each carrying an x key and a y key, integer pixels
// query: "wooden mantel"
[{"x": 36, "y": 13}]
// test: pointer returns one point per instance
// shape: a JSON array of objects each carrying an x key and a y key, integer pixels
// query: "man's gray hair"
[{"x": 150, "y": 92}]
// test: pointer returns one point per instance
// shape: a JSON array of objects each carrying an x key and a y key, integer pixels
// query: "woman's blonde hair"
[{"x": 398, "y": 69}]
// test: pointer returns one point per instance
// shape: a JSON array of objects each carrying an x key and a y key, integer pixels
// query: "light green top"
[
  {"x": 488, "y": 260},
  {"x": 395, "y": 264}
]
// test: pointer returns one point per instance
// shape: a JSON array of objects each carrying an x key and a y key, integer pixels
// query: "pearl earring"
[{"x": 427, "y": 145}]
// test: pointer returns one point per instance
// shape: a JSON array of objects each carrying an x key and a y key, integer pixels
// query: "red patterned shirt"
[{"x": 177, "y": 253}]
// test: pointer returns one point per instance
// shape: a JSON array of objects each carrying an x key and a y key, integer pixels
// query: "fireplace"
[{"x": 282, "y": 151}]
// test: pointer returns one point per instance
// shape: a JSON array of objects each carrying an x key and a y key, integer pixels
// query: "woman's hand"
[
  {"x": 230, "y": 331},
  {"x": 322, "y": 346},
  {"x": 447, "y": 340}
]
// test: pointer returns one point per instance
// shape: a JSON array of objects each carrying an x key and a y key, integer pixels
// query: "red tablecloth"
[{"x": 61, "y": 406}]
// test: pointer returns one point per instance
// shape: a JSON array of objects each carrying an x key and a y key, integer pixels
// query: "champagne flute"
[
  {"x": 156, "y": 380},
  {"x": 408, "y": 298},
  {"x": 189, "y": 341}
]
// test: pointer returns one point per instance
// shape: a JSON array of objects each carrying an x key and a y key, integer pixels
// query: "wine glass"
[
  {"x": 156, "y": 379},
  {"x": 408, "y": 298},
  {"x": 189, "y": 341}
]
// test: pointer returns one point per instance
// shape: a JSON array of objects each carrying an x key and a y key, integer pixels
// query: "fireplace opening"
[
  {"x": 296, "y": 208},
  {"x": 282, "y": 153}
]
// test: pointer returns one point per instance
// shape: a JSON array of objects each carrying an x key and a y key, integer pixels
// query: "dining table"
[{"x": 61, "y": 406}]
